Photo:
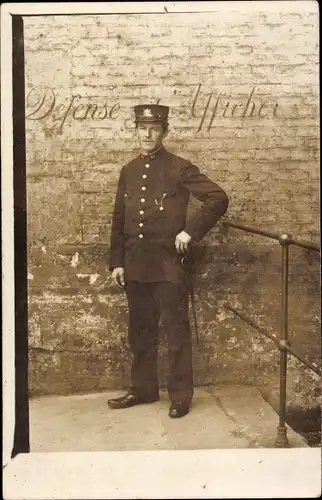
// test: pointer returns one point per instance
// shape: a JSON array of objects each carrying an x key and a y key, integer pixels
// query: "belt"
[{"x": 188, "y": 264}]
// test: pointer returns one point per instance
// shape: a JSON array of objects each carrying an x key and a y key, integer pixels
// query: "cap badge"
[{"x": 147, "y": 112}]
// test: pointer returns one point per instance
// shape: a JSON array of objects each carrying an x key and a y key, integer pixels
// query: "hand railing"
[{"x": 283, "y": 343}]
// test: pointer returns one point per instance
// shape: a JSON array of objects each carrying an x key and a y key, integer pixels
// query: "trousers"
[{"x": 150, "y": 304}]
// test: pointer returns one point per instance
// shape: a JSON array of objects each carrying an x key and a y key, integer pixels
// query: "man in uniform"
[{"x": 149, "y": 236}]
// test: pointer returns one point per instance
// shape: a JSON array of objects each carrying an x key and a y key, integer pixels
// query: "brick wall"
[{"x": 243, "y": 92}]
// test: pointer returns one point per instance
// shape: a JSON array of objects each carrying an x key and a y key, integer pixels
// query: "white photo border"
[{"x": 252, "y": 473}]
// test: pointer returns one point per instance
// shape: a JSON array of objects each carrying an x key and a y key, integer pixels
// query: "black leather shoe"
[
  {"x": 179, "y": 409},
  {"x": 127, "y": 401}
]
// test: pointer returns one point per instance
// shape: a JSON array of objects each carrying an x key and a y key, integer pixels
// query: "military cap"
[{"x": 151, "y": 113}]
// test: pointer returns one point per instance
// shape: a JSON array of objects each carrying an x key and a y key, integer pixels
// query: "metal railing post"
[
  {"x": 284, "y": 346},
  {"x": 281, "y": 437}
]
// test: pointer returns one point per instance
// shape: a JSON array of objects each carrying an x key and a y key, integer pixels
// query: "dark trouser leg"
[
  {"x": 173, "y": 302},
  {"x": 143, "y": 339}
]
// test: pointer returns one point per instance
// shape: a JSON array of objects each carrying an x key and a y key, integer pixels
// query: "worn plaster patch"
[
  {"x": 222, "y": 316},
  {"x": 81, "y": 275},
  {"x": 63, "y": 257},
  {"x": 93, "y": 278},
  {"x": 52, "y": 298},
  {"x": 75, "y": 260}
]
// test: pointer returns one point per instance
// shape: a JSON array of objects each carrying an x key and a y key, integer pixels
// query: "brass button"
[
  {"x": 142, "y": 200},
  {"x": 143, "y": 188},
  {"x": 144, "y": 176},
  {"x": 147, "y": 165},
  {"x": 141, "y": 224},
  {"x": 141, "y": 236},
  {"x": 141, "y": 212}
]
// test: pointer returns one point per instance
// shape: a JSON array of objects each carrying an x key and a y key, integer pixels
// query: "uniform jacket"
[{"x": 151, "y": 209}]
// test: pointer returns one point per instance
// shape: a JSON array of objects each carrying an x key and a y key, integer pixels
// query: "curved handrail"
[{"x": 274, "y": 236}]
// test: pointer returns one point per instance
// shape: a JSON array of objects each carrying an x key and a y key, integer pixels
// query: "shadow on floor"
[{"x": 306, "y": 422}]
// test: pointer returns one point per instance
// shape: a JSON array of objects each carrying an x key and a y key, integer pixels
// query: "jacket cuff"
[
  {"x": 111, "y": 268},
  {"x": 115, "y": 263},
  {"x": 193, "y": 233}
]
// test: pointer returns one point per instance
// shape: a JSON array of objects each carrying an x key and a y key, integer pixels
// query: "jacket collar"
[{"x": 153, "y": 154}]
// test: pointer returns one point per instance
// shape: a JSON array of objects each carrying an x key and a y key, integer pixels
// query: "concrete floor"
[{"x": 221, "y": 417}]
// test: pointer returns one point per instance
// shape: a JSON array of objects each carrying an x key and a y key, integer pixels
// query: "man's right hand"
[{"x": 118, "y": 277}]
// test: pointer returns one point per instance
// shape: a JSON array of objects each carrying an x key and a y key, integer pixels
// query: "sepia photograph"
[{"x": 165, "y": 242}]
